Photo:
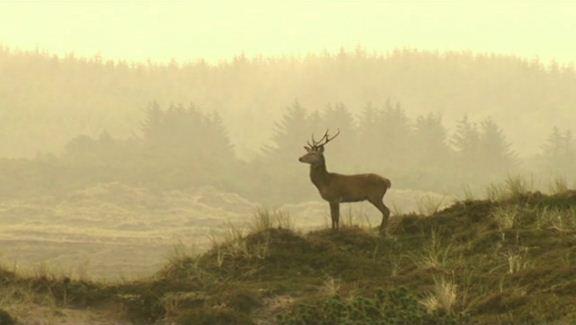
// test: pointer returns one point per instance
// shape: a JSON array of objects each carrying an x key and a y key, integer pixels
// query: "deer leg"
[
  {"x": 385, "y": 214},
  {"x": 332, "y": 215},
  {"x": 335, "y": 214}
]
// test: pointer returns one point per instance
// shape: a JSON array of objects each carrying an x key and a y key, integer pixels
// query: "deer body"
[{"x": 336, "y": 188}]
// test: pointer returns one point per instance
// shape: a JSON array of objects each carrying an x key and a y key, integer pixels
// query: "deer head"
[{"x": 315, "y": 150}]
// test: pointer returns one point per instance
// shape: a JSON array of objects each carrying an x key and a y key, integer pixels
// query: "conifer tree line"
[
  {"x": 46, "y": 100},
  {"x": 183, "y": 147},
  {"x": 416, "y": 153}
]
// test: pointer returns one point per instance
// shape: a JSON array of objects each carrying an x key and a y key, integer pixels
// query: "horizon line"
[{"x": 358, "y": 50}]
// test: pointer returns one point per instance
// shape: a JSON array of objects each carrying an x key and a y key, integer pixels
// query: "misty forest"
[
  {"x": 433, "y": 122},
  {"x": 150, "y": 193}
]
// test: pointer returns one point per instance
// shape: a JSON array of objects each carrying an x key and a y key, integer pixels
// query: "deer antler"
[{"x": 324, "y": 140}]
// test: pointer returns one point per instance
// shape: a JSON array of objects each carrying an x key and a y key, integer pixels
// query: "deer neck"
[{"x": 319, "y": 175}]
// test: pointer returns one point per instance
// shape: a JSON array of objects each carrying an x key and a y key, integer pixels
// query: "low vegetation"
[{"x": 498, "y": 261}]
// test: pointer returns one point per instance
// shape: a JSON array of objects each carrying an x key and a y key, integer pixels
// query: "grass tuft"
[
  {"x": 561, "y": 220},
  {"x": 428, "y": 205},
  {"x": 266, "y": 219},
  {"x": 516, "y": 262},
  {"x": 513, "y": 188},
  {"x": 505, "y": 217},
  {"x": 434, "y": 255},
  {"x": 442, "y": 298},
  {"x": 331, "y": 287},
  {"x": 559, "y": 185}
]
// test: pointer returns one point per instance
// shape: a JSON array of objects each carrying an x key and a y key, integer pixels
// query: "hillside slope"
[
  {"x": 483, "y": 262},
  {"x": 113, "y": 230}
]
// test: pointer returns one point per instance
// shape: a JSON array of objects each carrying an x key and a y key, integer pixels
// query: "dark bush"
[
  {"x": 5, "y": 318},
  {"x": 213, "y": 316}
]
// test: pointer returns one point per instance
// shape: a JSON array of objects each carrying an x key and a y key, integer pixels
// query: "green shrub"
[
  {"x": 397, "y": 306},
  {"x": 242, "y": 300},
  {"x": 5, "y": 318},
  {"x": 214, "y": 316}
]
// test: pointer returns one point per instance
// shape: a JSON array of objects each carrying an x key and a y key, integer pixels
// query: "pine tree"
[
  {"x": 291, "y": 133},
  {"x": 466, "y": 144},
  {"x": 395, "y": 140},
  {"x": 151, "y": 127},
  {"x": 495, "y": 152},
  {"x": 430, "y": 141},
  {"x": 189, "y": 145},
  {"x": 385, "y": 136},
  {"x": 278, "y": 164},
  {"x": 367, "y": 122},
  {"x": 466, "y": 139},
  {"x": 81, "y": 150},
  {"x": 554, "y": 145},
  {"x": 559, "y": 153},
  {"x": 315, "y": 121},
  {"x": 342, "y": 151}
]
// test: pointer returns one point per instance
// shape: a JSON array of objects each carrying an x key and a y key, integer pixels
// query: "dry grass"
[
  {"x": 287, "y": 269},
  {"x": 467, "y": 193},
  {"x": 181, "y": 251},
  {"x": 561, "y": 220},
  {"x": 558, "y": 185},
  {"x": 435, "y": 254},
  {"x": 428, "y": 205},
  {"x": 516, "y": 261},
  {"x": 51, "y": 271},
  {"x": 513, "y": 187},
  {"x": 505, "y": 217},
  {"x": 396, "y": 209},
  {"x": 356, "y": 218},
  {"x": 443, "y": 297},
  {"x": 231, "y": 242},
  {"x": 18, "y": 299},
  {"x": 28, "y": 306},
  {"x": 331, "y": 287},
  {"x": 266, "y": 219}
]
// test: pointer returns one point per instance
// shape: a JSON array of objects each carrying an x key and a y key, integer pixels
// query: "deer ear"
[{"x": 321, "y": 149}]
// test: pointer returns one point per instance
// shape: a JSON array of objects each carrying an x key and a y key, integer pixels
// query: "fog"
[
  {"x": 125, "y": 132},
  {"x": 48, "y": 100},
  {"x": 105, "y": 161}
]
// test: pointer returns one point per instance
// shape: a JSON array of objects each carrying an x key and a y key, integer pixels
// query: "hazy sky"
[{"x": 188, "y": 30}]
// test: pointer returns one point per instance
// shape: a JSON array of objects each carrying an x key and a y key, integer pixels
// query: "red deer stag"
[{"x": 336, "y": 188}]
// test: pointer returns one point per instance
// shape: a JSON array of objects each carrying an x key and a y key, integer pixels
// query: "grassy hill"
[
  {"x": 112, "y": 230},
  {"x": 510, "y": 259}
]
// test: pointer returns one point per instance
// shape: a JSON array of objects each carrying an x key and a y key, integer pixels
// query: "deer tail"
[{"x": 388, "y": 183}]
